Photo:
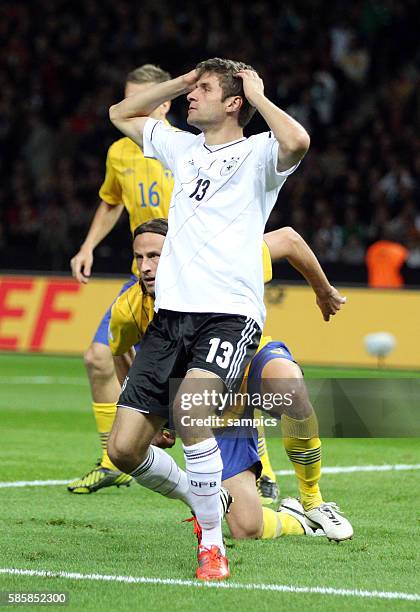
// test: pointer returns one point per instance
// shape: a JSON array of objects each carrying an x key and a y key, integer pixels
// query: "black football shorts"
[{"x": 176, "y": 342}]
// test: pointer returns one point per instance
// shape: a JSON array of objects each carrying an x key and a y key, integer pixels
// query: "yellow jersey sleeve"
[
  {"x": 110, "y": 191},
  {"x": 144, "y": 186},
  {"x": 267, "y": 267},
  {"x": 131, "y": 313}
]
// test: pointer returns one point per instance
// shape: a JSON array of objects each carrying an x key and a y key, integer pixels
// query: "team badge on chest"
[{"x": 229, "y": 165}]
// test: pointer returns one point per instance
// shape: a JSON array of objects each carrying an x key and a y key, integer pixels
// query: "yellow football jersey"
[
  {"x": 143, "y": 185},
  {"x": 268, "y": 276},
  {"x": 131, "y": 313},
  {"x": 267, "y": 267}
]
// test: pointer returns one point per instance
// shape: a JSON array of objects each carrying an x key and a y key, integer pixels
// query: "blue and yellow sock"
[
  {"x": 267, "y": 469},
  {"x": 303, "y": 447}
]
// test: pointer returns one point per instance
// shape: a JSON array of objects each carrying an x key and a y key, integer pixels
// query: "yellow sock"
[
  {"x": 276, "y": 524},
  {"x": 290, "y": 525},
  {"x": 271, "y": 524},
  {"x": 104, "y": 416},
  {"x": 303, "y": 447},
  {"x": 267, "y": 470}
]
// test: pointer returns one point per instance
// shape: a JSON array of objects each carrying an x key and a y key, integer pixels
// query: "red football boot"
[{"x": 212, "y": 565}]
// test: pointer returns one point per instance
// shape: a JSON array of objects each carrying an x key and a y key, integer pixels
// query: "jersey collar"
[{"x": 215, "y": 148}]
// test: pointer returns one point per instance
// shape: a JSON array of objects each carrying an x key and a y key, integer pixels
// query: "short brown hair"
[
  {"x": 226, "y": 69},
  {"x": 153, "y": 226},
  {"x": 148, "y": 73}
]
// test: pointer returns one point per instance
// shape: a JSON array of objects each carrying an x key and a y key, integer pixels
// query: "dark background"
[{"x": 350, "y": 72}]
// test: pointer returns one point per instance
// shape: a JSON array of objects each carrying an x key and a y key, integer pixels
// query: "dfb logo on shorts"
[{"x": 200, "y": 485}]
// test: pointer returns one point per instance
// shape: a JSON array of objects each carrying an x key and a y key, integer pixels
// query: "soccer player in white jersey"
[{"x": 209, "y": 286}]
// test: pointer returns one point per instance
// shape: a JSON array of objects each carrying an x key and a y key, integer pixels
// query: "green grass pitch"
[{"x": 47, "y": 432}]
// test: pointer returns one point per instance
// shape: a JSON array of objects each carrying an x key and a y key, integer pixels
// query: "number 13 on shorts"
[{"x": 225, "y": 353}]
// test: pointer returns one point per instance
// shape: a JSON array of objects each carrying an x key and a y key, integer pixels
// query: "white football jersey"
[{"x": 223, "y": 194}]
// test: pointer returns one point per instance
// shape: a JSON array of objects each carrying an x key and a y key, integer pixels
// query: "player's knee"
[
  {"x": 290, "y": 382},
  {"x": 286, "y": 369},
  {"x": 98, "y": 360},
  {"x": 245, "y": 531},
  {"x": 298, "y": 404},
  {"x": 124, "y": 455},
  {"x": 122, "y": 459},
  {"x": 245, "y": 524}
]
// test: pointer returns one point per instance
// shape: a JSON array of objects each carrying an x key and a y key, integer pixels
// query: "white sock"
[
  {"x": 159, "y": 472},
  {"x": 204, "y": 470}
]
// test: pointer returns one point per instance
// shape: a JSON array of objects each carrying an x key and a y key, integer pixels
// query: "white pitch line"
[
  {"x": 32, "y": 483},
  {"x": 345, "y": 469},
  {"x": 348, "y": 469},
  {"x": 42, "y": 380},
  {"x": 282, "y": 588}
]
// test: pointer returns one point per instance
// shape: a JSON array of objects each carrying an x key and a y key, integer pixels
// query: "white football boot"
[{"x": 328, "y": 517}]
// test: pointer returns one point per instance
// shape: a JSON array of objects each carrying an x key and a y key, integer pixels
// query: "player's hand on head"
[
  {"x": 252, "y": 83},
  {"x": 330, "y": 302},
  {"x": 190, "y": 79},
  {"x": 81, "y": 266}
]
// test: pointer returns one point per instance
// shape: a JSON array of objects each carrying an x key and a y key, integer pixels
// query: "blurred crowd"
[{"x": 350, "y": 72}]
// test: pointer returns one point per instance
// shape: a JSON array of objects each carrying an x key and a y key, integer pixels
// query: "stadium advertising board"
[
  {"x": 293, "y": 317},
  {"x": 50, "y": 314},
  {"x": 57, "y": 315}
]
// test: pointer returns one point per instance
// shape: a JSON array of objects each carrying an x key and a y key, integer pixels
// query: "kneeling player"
[
  {"x": 273, "y": 365},
  {"x": 274, "y": 371}
]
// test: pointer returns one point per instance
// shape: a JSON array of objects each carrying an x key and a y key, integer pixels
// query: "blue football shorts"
[
  {"x": 272, "y": 350},
  {"x": 240, "y": 453}
]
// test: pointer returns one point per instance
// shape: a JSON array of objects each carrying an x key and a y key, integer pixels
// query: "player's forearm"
[
  {"x": 103, "y": 222},
  {"x": 292, "y": 137},
  {"x": 287, "y": 243},
  {"x": 303, "y": 259},
  {"x": 145, "y": 102}
]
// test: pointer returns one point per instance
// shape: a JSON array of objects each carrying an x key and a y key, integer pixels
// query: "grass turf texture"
[{"x": 48, "y": 432}]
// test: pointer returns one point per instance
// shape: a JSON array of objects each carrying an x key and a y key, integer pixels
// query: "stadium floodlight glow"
[{"x": 380, "y": 344}]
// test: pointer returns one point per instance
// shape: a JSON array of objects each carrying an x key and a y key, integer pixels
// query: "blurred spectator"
[
  {"x": 2, "y": 237},
  {"x": 23, "y": 222},
  {"x": 352, "y": 225},
  {"x": 39, "y": 149},
  {"x": 53, "y": 243},
  {"x": 327, "y": 239},
  {"x": 354, "y": 61},
  {"x": 403, "y": 225},
  {"x": 323, "y": 93},
  {"x": 413, "y": 260},
  {"x": 384, "y": 260},
  {"x": 353, "y": 252}
]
